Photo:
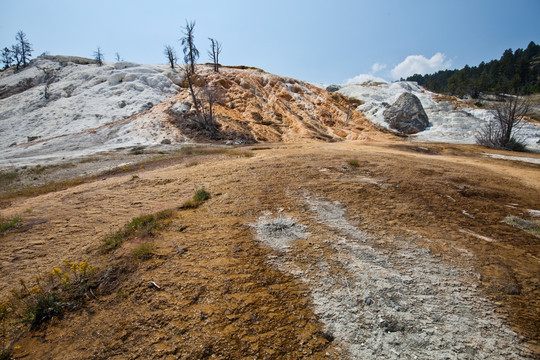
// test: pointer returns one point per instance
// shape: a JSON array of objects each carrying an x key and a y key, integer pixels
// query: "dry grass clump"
[
  {"x": 143, "y": 251},
  {"x": 8, "y": 177},
  {"x": 195, "y": 150},
  {"x": 31, "y": 191},
  {"x": 141, "y": 227}
]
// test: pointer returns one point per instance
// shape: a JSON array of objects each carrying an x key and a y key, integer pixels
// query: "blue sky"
[{"x": 318, "y": 41}]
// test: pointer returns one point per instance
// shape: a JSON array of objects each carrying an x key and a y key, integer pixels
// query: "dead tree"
[
  {"x": 501, "y": 132},
  {"x": 210, "y": 95},
  {"x": 16, "y": 52},
  {"x": 170, "y": 54},
  {"x": 189, "y": 77},
  {"x": 98, "y": 56},
  {"x": 49, "y": 77},
  {"x": 191, "y": 54},
  {"x": 25, "y": 48},
  {"x": 213, "y": 53}
]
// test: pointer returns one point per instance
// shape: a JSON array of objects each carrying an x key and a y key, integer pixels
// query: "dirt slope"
[
  {"x": 253, "y": 105},
  {"x": 298, "y": 254},
  {"x": 95, "y": 109}
]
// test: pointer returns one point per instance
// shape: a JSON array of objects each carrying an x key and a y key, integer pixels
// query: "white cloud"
[
  {"x": 362, "y": 78},
  {"x": 375, "y": 68},
  {"x": 419, "y": 64}
]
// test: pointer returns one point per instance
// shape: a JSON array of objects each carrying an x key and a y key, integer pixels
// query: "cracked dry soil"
[{"x": 297, "y": 255}]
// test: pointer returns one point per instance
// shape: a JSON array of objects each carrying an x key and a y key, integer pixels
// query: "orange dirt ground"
[{"x": 224, "y": 297}]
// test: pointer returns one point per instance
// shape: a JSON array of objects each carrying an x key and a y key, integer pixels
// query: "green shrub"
[
  {"x": 40, "y": 308},
  {"x": 199, "y": 197},
  {"x": 142, "y": 227},
  {"x": 5, "y": 310},
  {"x": 353, "y": 163},
  {"x": 6, "y": 224},
  {"x": 516, "y": 145},
  {"x": 45, "y": 299}
]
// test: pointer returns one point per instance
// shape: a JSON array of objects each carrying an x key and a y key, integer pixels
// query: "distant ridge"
[{"x": 515, "y": 73}]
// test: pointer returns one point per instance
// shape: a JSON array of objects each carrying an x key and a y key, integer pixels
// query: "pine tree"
[{"x": 7, "y": 58}]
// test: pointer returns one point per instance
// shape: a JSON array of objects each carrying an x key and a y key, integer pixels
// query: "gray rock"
[
  {"x": 332, "y": 88},
  {"x": 407, "y": 115},
  {"x": 369, "y": 300},
  {"x": 180, "y": 109}
]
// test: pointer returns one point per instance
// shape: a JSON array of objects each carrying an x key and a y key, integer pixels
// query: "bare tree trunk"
[
  {"x": 171, "y": 55},
  {"x": 50, "y": 76},
  {"x": 98, "y": 56},
  {"x": 510, "y": 115},
  {"x": 188, "y": 75},
  {"x": 16, "y": 49},
  {"x": 213, "y": 53},
  {"x": 191, "y": 54}
]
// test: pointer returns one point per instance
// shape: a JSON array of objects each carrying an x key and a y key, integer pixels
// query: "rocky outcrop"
[
  {"x": 333, "y": 88},
  {"x": 407, "y": 115}
]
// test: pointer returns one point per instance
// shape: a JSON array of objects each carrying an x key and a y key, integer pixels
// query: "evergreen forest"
[{"x": 516, "y": 72}]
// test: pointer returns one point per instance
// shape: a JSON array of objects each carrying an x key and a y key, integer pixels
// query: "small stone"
[{"x": 369, "y": 300}]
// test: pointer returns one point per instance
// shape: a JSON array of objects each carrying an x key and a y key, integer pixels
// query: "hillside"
[
  {"x": 65, "y": 108},
  {"x": 514, "y": 73},
  {"x": 302, "y": 229},
  {"x": 451, "y": 120},
  {"x": 91, "y": 109}
]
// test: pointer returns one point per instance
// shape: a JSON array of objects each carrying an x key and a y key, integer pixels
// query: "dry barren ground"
[{"x": 316, "y": 250}]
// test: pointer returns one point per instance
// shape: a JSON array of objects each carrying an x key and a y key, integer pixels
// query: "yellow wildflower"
[
  {"x": 57, "y": 272},
  {"x": 16, "y": 347},
  {"x": 74, "y": 267},
  {"x": 83, "y": 266}
]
